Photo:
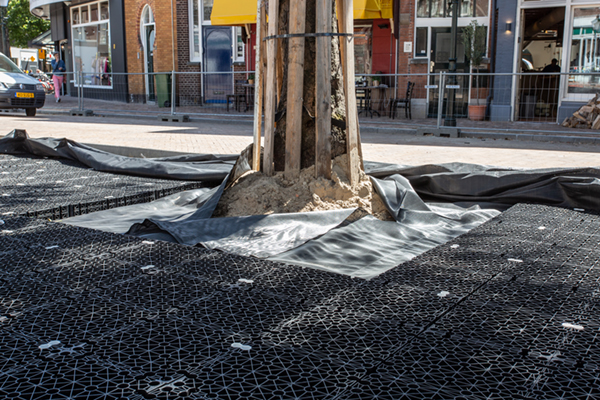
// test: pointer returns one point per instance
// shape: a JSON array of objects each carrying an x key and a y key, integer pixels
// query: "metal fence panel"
[{"x": 412, "y": 100}]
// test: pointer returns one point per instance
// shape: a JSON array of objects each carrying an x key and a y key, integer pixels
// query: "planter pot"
[
  {"x": 375, "y": 83},
  {"x": 251, "y": 81},
  {"x": 476, "y": 113}
]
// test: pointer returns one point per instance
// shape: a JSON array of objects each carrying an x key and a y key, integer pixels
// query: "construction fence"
[{"x": 524, "y": 101}]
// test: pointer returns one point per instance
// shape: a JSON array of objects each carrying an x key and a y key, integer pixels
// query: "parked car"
[{"x": 18, "y": 90}]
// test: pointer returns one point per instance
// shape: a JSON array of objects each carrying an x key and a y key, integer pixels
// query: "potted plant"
[
  {"x": 251, "y": 79},
  {"x": 376, "y": 80},
  {"x": 474, "y": 42}
]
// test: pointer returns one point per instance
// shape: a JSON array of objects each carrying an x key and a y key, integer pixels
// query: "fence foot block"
[
  {"x": 439, "y": 132},
  {"x": 174, "y": 118},
  {"x": 81, "y": 113}
]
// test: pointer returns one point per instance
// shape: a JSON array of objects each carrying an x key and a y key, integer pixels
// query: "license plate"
[{"x": 22, "y": 95}]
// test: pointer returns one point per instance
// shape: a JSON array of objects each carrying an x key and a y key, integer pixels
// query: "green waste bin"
[{"x": 163, "y": 90}]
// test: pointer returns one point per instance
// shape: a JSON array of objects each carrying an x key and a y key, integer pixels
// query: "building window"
[
  {"x": 91, "y": 44},
  {"x": 421, "y": 44},
  {"x": 199, "y": 15},
  {"x": 443, "y": 8}
]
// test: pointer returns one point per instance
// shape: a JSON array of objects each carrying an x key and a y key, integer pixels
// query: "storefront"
[
  {"x": 90, "y": 36},
  {"x": 565, "y": 30}
]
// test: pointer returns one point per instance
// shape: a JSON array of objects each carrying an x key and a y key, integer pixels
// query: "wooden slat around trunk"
[
  {"x": 346, "y": 25},
  {"x": 323, "y": 91},
  {"x": 293, "y": 134},
  {"x": 258, "y": 89},
  {"x": 271, "y": 87}
]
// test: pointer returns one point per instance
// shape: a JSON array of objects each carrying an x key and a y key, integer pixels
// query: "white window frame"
[
  {"x": 193, "y": 57},
  {"x": 438, "y": 22},
  {"x": 85, "y": 24}
]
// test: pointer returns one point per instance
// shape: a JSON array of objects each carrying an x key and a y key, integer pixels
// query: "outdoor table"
[
  {"x": 368, "y": 109},
  {"x": 248, "y": 92}
]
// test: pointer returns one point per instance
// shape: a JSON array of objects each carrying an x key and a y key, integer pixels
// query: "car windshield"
[{"x": 8, "y": 66}]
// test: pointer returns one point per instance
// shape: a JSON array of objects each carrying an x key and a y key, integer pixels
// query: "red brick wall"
[
  {"x": 163, "y": 52},
  {"x": 189, "y": 88}
]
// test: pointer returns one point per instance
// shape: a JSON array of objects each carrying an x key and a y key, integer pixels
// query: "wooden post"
[
  {"x": 323, "y": 91},
  {"x": 271, "y": 87},
  {"x": 346, "y": 25},
  {"x": 258, "y": 86},
  {"x": 293, "y": 134}
]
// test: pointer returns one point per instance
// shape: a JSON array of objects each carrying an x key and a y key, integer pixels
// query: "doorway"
[
  {"x": 148, "y": 35},
  {"x": 542, "y": 32},
  {"x": 217, "y": 58}
]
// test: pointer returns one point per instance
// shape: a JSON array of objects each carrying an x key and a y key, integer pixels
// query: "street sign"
[
  {"x": 431, "y": 86},
  {"x": 453, "y": 87}
]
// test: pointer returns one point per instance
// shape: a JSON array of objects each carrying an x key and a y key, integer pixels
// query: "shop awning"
[
  {"x": 233, "y": 12},
  {"x": 240, "y": 12}
]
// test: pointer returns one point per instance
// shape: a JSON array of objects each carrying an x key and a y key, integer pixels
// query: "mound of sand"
[{"x": 253, "y": 193}]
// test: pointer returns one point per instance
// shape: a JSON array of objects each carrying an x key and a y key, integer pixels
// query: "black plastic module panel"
[
  {"x": 509, "y": 310},
  {"x": 56, "y": 189}
]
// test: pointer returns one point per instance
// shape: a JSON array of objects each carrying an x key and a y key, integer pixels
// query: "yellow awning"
[
  {"x": 233, "y": 12},
  {"x": 240, "y": 12},
  {"x": 367, "y": 9},
  {"x": 387, "y": 9}
]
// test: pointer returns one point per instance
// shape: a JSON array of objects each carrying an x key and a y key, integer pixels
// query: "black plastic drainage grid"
[
  {"x": 56, "y": 189},
  {"x": 508, "y": 310}
]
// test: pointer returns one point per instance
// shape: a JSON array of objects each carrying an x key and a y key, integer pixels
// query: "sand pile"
[{"x": 255, "y": 194}]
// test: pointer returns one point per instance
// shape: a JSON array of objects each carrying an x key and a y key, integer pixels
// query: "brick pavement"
[{"x": 226, "y": 138}]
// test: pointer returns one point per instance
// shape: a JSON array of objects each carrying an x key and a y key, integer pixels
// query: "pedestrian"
[{"x": 58, "y": 68}]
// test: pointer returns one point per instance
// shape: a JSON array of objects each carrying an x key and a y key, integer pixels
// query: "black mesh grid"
[
  {"x": 509, "y": 310},
  {"x": 56, "y": 189}
]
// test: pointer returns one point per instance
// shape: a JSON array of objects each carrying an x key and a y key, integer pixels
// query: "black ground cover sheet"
[{"x": 507, "y": 310}]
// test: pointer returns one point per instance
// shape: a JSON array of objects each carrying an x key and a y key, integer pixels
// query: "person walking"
[{"x": 58, "y": 68}]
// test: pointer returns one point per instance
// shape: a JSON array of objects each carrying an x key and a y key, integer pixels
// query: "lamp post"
[{"x": 450, "y": 115}]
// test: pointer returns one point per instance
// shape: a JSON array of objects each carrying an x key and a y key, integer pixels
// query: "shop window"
[
  {"x": 421, "y": 44},
  {"x": 585, "y": 52},
  {"x": 91, "y": 44}
]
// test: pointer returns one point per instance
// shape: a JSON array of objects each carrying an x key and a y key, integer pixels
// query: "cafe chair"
[
  {"x": 238, "y": 97},
  {"x": 403, "y": 102}
]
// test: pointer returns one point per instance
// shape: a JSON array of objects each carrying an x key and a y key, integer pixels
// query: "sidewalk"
[
  {"x": 229, "y": 137},
  {"x": 105, "y": 107}
]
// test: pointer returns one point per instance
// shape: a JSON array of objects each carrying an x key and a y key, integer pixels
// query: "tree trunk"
[{"x": 338, "y": 105}]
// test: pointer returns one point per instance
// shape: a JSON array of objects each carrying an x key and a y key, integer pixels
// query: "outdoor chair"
[
  {"x": 403, "y": 102},
  {"x": 238, "y": 96}
]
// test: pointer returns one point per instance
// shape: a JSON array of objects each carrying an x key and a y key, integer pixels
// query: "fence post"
[
  {"x": 441, "y": 90},
  {"x": 81, "y": 91},
  {"x": 173, "y": 81}
]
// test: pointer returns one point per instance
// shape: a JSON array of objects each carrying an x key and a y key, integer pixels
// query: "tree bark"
[{"x": 338, "y": 104}]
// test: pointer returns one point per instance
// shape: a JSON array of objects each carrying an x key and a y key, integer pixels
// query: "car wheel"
[{"x": 30, "y": 112}]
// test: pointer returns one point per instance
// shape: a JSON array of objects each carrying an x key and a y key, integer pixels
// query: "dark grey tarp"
[
  {"x": 431, "y": 204},
  {"x": 504, "y": 187},
  {"x": 196, "y": 167}
]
